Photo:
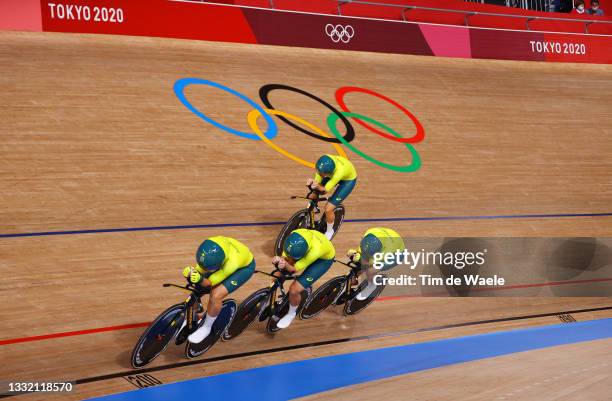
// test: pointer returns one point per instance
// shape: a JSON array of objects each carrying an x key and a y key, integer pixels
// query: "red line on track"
[
  {"x": 73, "y": 333},
  {"x": 549, "y": 284},
  {"x": 389, "y": 298}
]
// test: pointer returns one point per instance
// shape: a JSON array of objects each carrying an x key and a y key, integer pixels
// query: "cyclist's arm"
[
  {"x": 307, "y": 260},
  {"x": 333, "y": 181},
  {"x": 317, "y": 183},
  {"x": 289, "y": 266},
  {"x": 221, "y": 274}
]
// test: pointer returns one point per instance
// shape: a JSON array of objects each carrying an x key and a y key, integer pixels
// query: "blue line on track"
[
  {"x": 278, "y": 223},
  {"x": 302, "y": 378}
]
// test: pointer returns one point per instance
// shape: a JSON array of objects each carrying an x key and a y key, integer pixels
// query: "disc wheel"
[
  {"x": 224, "y": 319},
  {"x": 281, "y": 309},
  {"x": 298, "y": 220},
  {"x": 321, "y": 225},
  {"x": 339, "y": 218},
  {"x": 158, "y": 335},
  {"x": 354, "y": 306},
  {"x": 323, "y": 297},
  {"x": 248, "y": 311}
]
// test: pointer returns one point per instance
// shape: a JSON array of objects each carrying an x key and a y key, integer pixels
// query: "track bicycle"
[
  {"x": 167, "y": 325},
  {"x": 340, "y": 290},
  {"x": 307, "y": 218},
  {"x": 264, "y": 304}
]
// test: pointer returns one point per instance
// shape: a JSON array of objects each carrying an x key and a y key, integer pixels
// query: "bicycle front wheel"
[{"x": 158, "y": 335}]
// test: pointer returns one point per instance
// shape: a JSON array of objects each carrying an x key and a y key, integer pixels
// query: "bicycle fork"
[
  {"x": 273, "y": 301},
  {"x": 192, "y": 308},
  {"x": 268, "y": 312},
  {"x": 347, "y": 290},
  {"x": 312, "y": 222}
]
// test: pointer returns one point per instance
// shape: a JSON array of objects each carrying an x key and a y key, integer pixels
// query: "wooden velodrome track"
[{"x": 93, "y": 137}]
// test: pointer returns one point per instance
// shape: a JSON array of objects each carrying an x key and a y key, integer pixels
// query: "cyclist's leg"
[
  {"x": 215, "y": 301},
  {"x": 227, "y": 286},
  {"x": 343, "y": 190},
  {"x": 239, "y": 277},
  {"x": 371, "y": 273},
  {"x": 310, "y": 275}
]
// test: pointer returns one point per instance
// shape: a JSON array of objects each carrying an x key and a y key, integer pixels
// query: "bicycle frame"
[
  {"x": 197, "y": 292},
  {"x": 313, "y": 207},
  {"x": 276, "y": 285},
  {"x": 354, "y": 272}
]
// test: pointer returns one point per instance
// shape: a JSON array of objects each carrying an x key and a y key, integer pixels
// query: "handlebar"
[
  {"x": 350, "y": 264},
  {"x": 307, "y": 197},
  {"x": 284, "y": 275},
  {"x": 190, "y": 287},
  {"x": 317, "y": 200}
]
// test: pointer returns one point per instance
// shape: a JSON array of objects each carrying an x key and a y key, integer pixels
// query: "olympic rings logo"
[
  {"x": 339, "y": 33},
  {"x": 335, "y": 138}
]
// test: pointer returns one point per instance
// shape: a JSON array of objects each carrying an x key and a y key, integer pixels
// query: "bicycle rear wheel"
[
  {"x": 158, "y": 335},
  {"x": 339, "y": 212},
  {"x": 339, "y": 218},
  {"x": 354, "y": 306},
  {"x": 224, "y": 319},
  {"x": 281, "y": 309},
  {"x": 248, "y": 311},
  {"x": 323, "y": 297},
  {"x": 298, "y": 220}
]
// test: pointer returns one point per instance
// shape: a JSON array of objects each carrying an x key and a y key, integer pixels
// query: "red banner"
[
  {"x": 229, "y": 23},
  {"x": 162, "y": 18}
]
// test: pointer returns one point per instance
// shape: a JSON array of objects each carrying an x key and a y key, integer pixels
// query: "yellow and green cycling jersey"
[
  {"x": 319, "y": 247},
  {"x": 390, "y": 239},
  {"x": 345, "y": 171},
  {"x": 237, "y": 256}
]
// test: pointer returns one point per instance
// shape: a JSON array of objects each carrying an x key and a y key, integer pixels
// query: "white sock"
[
  {"x": 288, "y": 318},
  {"x": 367, "y": 291},
  {"x": 330, "y": 231},
  {"x": 208, "y": 322},
  {"x": 200, "y": 334}
]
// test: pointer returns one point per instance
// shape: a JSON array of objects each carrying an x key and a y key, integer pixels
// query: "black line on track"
[
  {"x": 321, "y": 343},
  {"x": 280, "y": 223}
]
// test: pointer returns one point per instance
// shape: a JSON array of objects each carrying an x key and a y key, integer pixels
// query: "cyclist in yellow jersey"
[
  {"x": 374, "y": 240},
  {"x": 310, "y": 253},
  {"x": 333, "y": 171},
  {"x": 223, "y": 264}
]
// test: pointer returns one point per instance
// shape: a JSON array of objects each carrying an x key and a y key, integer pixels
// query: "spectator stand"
[{"x": 468, "y": 13}]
